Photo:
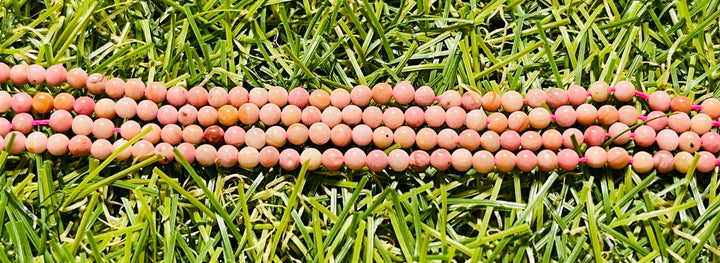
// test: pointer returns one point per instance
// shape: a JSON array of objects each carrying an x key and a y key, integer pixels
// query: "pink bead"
[
  {"x": 526, "y": 161},
  {"x": 701, "y": 123},
  {"x": 5, "y": 101},
  {"x": 382, "y": 93},
  {"x": 577, "y": 95},
  {"x": 103, "y": 128},
  {"x": 352, "y": 115},
  {"x": 268, "y": 156},
  {"x": 35, "y": 74},
  {"x": 452, "y": 98},
  {"x": 355, "y": 158},
  {"x": 596, "y": 157},
  {"x": 206, "y": 155},
  {"x": 154, "y": 135},
  {"x": 207, "y": 115},
  {"x": 80, "y": 145},
  {"x": 248, "y": 113},
  {"x": 332, "y": 116},
  {"x": 398, "y": 160},
  {"x": 95, "y": 83},
  {"x": 270, "y": 114},
  {"x": 84, "y": 105},
  {"x": 101, "y": 149},
  {"x": 512, "y": 101},
  {"x": 22, "y": 122},
  {"x": 134, "y": 88},
  {"x": 313, "y": 157},
  {"x": 435, "y": 116},
  {"x": 238, "y": 96},
  {"x": 642, "y": 162},
  {"x": 424, "y": 96},
  {"x": 565, "y": 116},
  {"x": 128, "y": 129},
  {"x": 115, "y": 88},
  {"x": 620, "y": 132},
  {"x": 167, "y": 114},
  {"x": 82, "y": 124},
  {"x": 441, "y": 159},
  {"x": 275, "y": 136},
  {"x": 227, "y": 156},
  {"x": 556, "y": 97},
  {"x": 472, "y": 100},
  {"x": 663, "y": 161},
  {"x": 297, "y": 134},
  {"x": 362, "y": 135},
  {"x": 340, "y": 98},
  {"x": 455, "y": 117},
  {"x": 568, "y": 159},
  {"x": 105, "y": 108},
  {"x": 404, "y": 93},
  {"x": 278, "y": 96},
  {"x": 235, "y": 136},
  {"x": 476, "y": 120},
  {"x": 19, "y": 74},
  {"x": 510, "y": 140},
  {"x": 490, "y": 141},
  {"x": 290, "y": 115},
  {"x": 393, "y": 117},
  {"x": 248, "y": 157},
  {"x": 706, "y": 163},
  {"x": 126, "y": 153},
  {"x": 447, "y": 138},
  {"x": 586, "y": 114},
  {"x": 311, "y": 115},
  {"x": 624, "y": 91},
  {"x": 36, "y": 142},
  {"x": 126, "y": 108},
  {"x": 319, "y": 133},
  {"x": 689, "y": 141},
  {"x": 405, "y": 137},
  {"x": 547, "y": 160},
  {"x": 568, "y": 137},
  {"x": 483, "y": 162},
  {"x": 426, "y": 138},
  {"x": 332, "y": 159},
  {"x": 644, "y": 136},
  {"x": 414, "y": 116},
  {"x": 147, "y": 110},
  {"x": 376, "y": 160},
  {"x": 419, "y": 160},
  {"x": 535, "y": 97},
  {"x": 529, "y": 140},
  {"x": 258, "y": 96},
  {"x": 299, "y": 97},
  {"x": 552, "y": 139},
  {"x": 497, "y": 122},
  {"x": 155, "y": 92},
  {"x": 217, "y": 97},
  {"x": 461, "y": 160},
  {"x": 171, "y": 134},
  {"x": 60, "y": 120},
  {"x": 657, "y": 120},
  {"x": 667, "y": 140},
  {"x": 197, "y": 96},
  {"x": 372, "y": 116},
  {"x": 518, "y": 121},
  {"x": 4, "y": 72},
  {"x": 504, "y": 160},
  {"x": 617, "y": 158},
  {"x": 659, "y": 101},
  {"x": 599, "y": 91},
  {"x": 711, "y": 107},
  {"x": 187, "y": 115},
  {"x": 289, "y": 159},
  {"x": 18, "y": 145},
  {"x": 176, "y": 96},
  {"x": 710, "y": 141},
  {"x": 341, "y": 135},
  {"x": 607, "y": 115},
  {"x": 57, "y": 144},
  {"x": 5, "y": 126},
  {"x": 679, "y": 122},
  {"x": 165, "y": 149},
  {"x": 76, "y": 78},
  {"x": 255, "y": 137},
  {"x": 595, "y": 136},
  {"x": 21, "y": 102},
  {"x": 539, "y": 118}
]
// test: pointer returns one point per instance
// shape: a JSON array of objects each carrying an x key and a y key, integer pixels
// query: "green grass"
[{"x": 78, "y": 209}]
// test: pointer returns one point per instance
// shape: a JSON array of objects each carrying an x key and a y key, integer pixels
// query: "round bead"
[
  {"x": 510, "y": 140},
  {"x": 490, "y": 141},
  {"x": 620, "y": 132},
  {"x": 624, "y": 91},
  {"x": 126, "y": 108},
  {"x": 319, "y": 133},
  {"x": 450, "y": 98},
  {"x": 299, "y": 97},
  {"x": 706, "y": 163},
  {"x": 596, "y": 157},
  {"x": 352, "y": 115},
  {"x": 512, "y": 101},
  {"x": 171, "y": 134},
  {"x": 235, "y": 136},
  {"x": 187, "y": 114},
  {"x": 341, "y": 135},
  {"x": 556, "y": 97},
  {"x": 191, "y": 133},
  {"x": 405, "y": 137},
  {"x": 76, "y": 78},
  {"x": 710, "y": 141},
  {"x": 18, "y": 145},
  {"x": 154, "y": 135},
  {"x": 383, "y": 137},
  {"x": 248, "y": 157},
  {"x": 403, "y": 93},
  {"x": 60, "y": 120},
  {"x": 539, "y": 118},
  {"x": 586, "y": 114},
  {"x": 297, "y": 134},
  {"x": 206, "y": 155},
  {"x": 6, "y": 101},
  {"x": 227, "y": 156},
  {"x": 176, "y": 96},
  {"x": 529, "y": 140},
  {"x": 165, "y": 150},
  {"x": 290, "y": 115},
  {"x": 255, "y": 137},
  {"x": 22, "y": 122},
  {"x": 82, "y": 125},
  {"x": 497, "y": 122},
  {"x": 313, "y": 157},
  {"x": 21, "y": 102},
  {"x": 197, "y": 96},
  {"x": 683, "y": 160},
  {"x": 63, "y": 101},
  {"x": 419, "y": 160},
  {"x": 476, "y": 120},
  {"x": 115, "y": 88},
  {"x": 472, "y": 100},
  {"x": 689, "y": 141},
  {"x": 361, "y": 95},
  {"x": 167, "y": 114},
  {"x": 207, "y": 116},
  {"x": 57, "y": 144},
  {"x": 101, "y": 149},
  {"x": 667, "y": 140},
  {"x": 426, "y": 138},
  {"x": 227, "y": 115},
  {"x": 103, "y": 128},
  {"x": 568, "y": 138},
  {"x": 55, "y": 75},
  {"x": 42, "y": 102},
  {"x": 642, "y": 162},
  {"x": 441, "y": 159},
  {"x": 711, "y": 107},
  {"x": 289, "y": 159},
  {"x": 83, "y": 105},
  {"x": 311, "y": 115},
  {"x": 448, "y": 139},
  {"x": 535, "y": 97},
  {"x": 657, "y": 120},
  {"x": 258, "y": 96},
  {"x": 96, "y": 83},
  {"x": 424, "y": 96},
  {"x": 278, "y": 96},
  {"x": 275, "y": 136},
  {"x": 134, "y": 88},
  {"x": 518, "y": 121},
  {"x": 372, "y": 117},
  {"x": 339, "y": 98},
  {"x": 382, "y": 93},
  {"x": 79, "y": 145},
  {"x": 469, "y": 139},
  {"x": 504, "y": 160},
  {"x": 399, "y": 160},
  {"x": 526, "y": 161},
  {"x": 599, "y": 91},
  {"x": 19, "y": 74},
  {"x": 547, "y": 160},
  {"x": 435, "y": 116},
  {"x": 659, "y": 101},
  {"x": 187, "y": 151},
  {"x": 238, "y": 96},
  {"x": 105, "y": 108},
  {"x": 565, "y": 116},
  {"x": 355, "y": 158},
  {"x": 552, "y": 139},
  {"x": 393, "y": 117},
  {"x": 5, "y": 127},
  {"x": 577, "y": 95},
  {"x": 483, "y": 162},
  {"x": 320, "y": 99},
  {"x": 268, "y": 156},
  {"x": 214, "y": 135},
  {"x": 645, "y": 136},
  {"x": 681, "y": 103},
  {"x": 217, "y": 97},
  {"x": 248, "y": 113},
  {"x": 701, "y": 123},
  {"x": 332, "y": 159},
  {"x": 147, "y": 110},
  {"x": 4, "y": 72},
  {"x": 455, "y": 117},
  {"x": 679, "y": 122},
  {"x": 595, "y": 136},
  {"x": 607, "y": 115},
  {"x": 617, "y": 158},
  {"x": 491, "y": 101},
  {"x": 567, "y": 159},
  {"x": 36, "y": 142},
  {"x": 124, "y": 154}
]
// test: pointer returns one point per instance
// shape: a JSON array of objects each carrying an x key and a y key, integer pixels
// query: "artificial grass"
[{"x": 79, "y": 209}]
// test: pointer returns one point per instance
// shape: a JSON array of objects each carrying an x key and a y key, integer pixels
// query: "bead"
[
  {"x": 394, "y": 117},
  {"x": 22, "y": 122},
  {"x": 165, "y": 150},
  {"x": 535, "y": 97},
  {"x": 167, "y": 114},
  {"x": 227, "y": 115},
  {"x": 372, "y": 117},
  {"x": 101, "y": 149},
  {"x": 124, "y": 154},
  {"x": 341, "y": 135},
  {"x": 235, "y": 136},
  {"x": 171, "y": 134},
  {"x": 19, "y": 75},
  {"x": 659, "y": 101},
  {"x": 60, "y": 121},
  {"x": 382, "y": 93},
  {"x": 419, "y": 160},
  {"x": 255, "y": 137},
  {"x": 710, "y": 141},
  {"x": 147, "y": 110},
  {"x": 512, "y": 101},
  {"x": 547, "y": 160},
  {"x": 207, "y": 115},
  {"x": 18, "y": 144},
  {"x": 607, "y": 115},
  {"x": 424, "y": 96},
  {"x": 332, "y": 159},
  {"x": 297, "y": 134},
  {"x": 472, "y": 100},
  {"x": 320, "y": 99},
  {"x": 21, "y": 102},
  {"x": 206, "y": 155},
  {"x": 79, "y": 145},
  {"x": 657, "y": 120},
  {"x": 567, "y": 159},
  {"x": 568, "y": 135},
  {"x": 483, "y": 162},
  {"x": 565, "y": 116},
  {"x": 63, "y": 101},
  {"x": 679, "y": 122},
  {"x": 258, "y": 96},
  {"x": 187, "y": 114},
  {"x": 595, "y": 136},
  {"x": 644, "y": 136},
  {"x": 447, "y": 138},
  {"x": 96, "y": 83},
  {"x": 42, "y": 102},
  {"x": 187, "y": 150},
  {"x": 191, "y": 133},
  {"x": 82, "y": 125},
  {"x": 154, "y": 135},
  {"x": 103, "y": 128},
  {"x": 529, "y": 140},
  {"x": 6, "y": 101},
  {"x": 596, "y": 157},
  {"x": 405, "y": 137},
  {"x": 76, "y": 78},
  {"x": 352, "y": 115},
  {"x": 105, "y": 108},
  {"x": 701, "y": 123},
  {"x": 706, "y": 163},
  {"x": 383, "y": 137},
  {"x": 403, "y": 93},
  {"x": 711, "y": 107},
  {"x": 680, "y": 103},
  {"x": 290, "y": 115},
  {"x": 455, "y": 117},
  {"x": 57, "y": 144},
  {"x": 227, "y": 156},
  {"x": 441, "y": 159},
  {"x": 552, "y": 139},
  {"x": 497, "y": 122},
  {"x": 599, "y": 91},
  {"x": 435, "y": 116},
  {"x": 491, "y": 101},
  {"x": 313, "y": 157},
  {"x": 510, "y": 140},
  {"x": 176, "y": 96},
  {"x": 490, "y": 141},
  {"x": 399, "y": 160},
  {"x": 667, "y": 140},
  {"x": 299, "y": 97},
  {"x": 624, "y": 91},
  {"x": 518, "y": 121},
  {"x": 642, "y": 162},
  {"x": 620, "y": 132},
  {"x": 214, "y": 135},
  {"x": 248, "y": 113},
  {"x": 617, "y": 158},
  {"x": 339, "y": 98},
  {"x": 468, "y": 139},
  {"x": 248, "y": 157},
  {"x": 426, "y": 138},
  {"x": 526, "y": 161},
  {"x": 197, "y": 96},
  {"x": 4, "y": 72},
  {"x": 238, "y": 96},
  {"x": 355, "y": 158},
  {"x": 319, "y": 133},
  {"x": 217, "y": 97},
  {"x": 126, "y": 108},
  {"x": 586, "y": 114},
  {"x": 689, "y": 141},
  {"x": 539, "y": 118},
  {"x": 476, "y": 120},
  {"x": 683, "y": 160},
  {"x": 311, "y": 115},
  {"x": 289, "y": 159},
  {"x": 115, "y": 88},
  {"x": 504, "y": 160},
  {"x": 275, "y": 136},
  {"x": 36, "y": 142},
  {"x": 134, "y": 88},
  {"x": 451, "y": 98},
  {"x": 556, "y": 97},
  {"x": 84, "y": 105},
  {"x": 361, "y": 95},
  {"x": 128, "y": 129},
  {"x": 5, "y": 127},
  {"x": 278, "y": 96},
  {"x": 577, "y": 95}
]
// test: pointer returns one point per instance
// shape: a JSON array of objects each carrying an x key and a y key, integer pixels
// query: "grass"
[{"x": 79, "y": 209}]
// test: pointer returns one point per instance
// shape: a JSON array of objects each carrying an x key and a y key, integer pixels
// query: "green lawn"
[{"x": 80, "y": 209}]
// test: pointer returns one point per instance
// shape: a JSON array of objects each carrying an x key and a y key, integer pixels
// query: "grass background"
[{"x": 78, "y": 209}]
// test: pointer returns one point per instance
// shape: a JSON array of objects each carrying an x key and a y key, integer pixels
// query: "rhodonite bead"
[
  {"x": 18, "y": 144},
  {"x": 399, "y": 160},
  {"x": 645, "y": 136},
  {"x": 491, "y": 101},
  {"x": 382, "y": 93},
  {"x": 452, "y": 98},
  {"x": 313, "y": 157},
  {"x": 599, "y": 91},
  {"x": 483, "y": 161},
  {"x": 134, "y": 88},
  {"x": 192, "y": 134},
  {"x": 586, "y": 114},
  {"x": 476, "y": 120},
  {"x": 207, "y": 116},
  {"x": 426, "y": 138},
  {"x": 504, "y": 160},
  {"x": 512, "y": 101},
  {"x": 147, "y": 110},
  {"x": 19, "y": 75},
  {"x": 620, "y": 132},
  {"x": 352, "y": 115},
  {"x": 36, "y": 142},
  {"x": 659, "y": 101},
  {"x": 565, "y": 116},
  {"x": 341, "y": 135},
  {"x": 681, "y": 103},
  {"x": 105, "y": 108},
  {"x": 510, "y": 140},
  {"x": 237, "y": 96},
  {"x": 568, "y": 137},
  {"x": 414, "y": 116},
  {"x": 577, "y": 95},
  {"x": 567, "y": 159},
  {"x": 642, "y": 162},
  {"x": 103, "y": 128},
  {"x": 115, "y": 88},
  {"x": 679, "y": 122},
  {"x": 299, "y": 97},
  {"x": 419, "y": 160},
  {"x": 706, "y": 163},
  {"x": 447, "y": 138},
  {"x": 529, "y": 140},
  {"x": 710, "y": 141},
  {"x": 556, "y": 97},
  {"x": 405, "y": 137},
  {"x": 339, "y": 98},
  {"x": 361, "y": 95},
  {"x": 596, "y": 157},
  {"x": 258, "y": 96},
  {"x": 393, "y": 117},
  {"x": 248, "y": 113},
  {"x": 275, "y": 136},
  {"x": 383, "y": 137},
  {"x": 547, "y": 160},
  {"x": 227, "y": 156},
  {"x": 78, "y": 146},
  {"x": 518, "y": 121},
  {"x": 171, "y": 134},
  {"x": 319, "y": 133},
  {"x": 657, "y": 120},
  {"x": 206, "y": 155},
  {"x": 126, "y": 108},
  {"x": 6, "y": 101},
  {"x": 187, "y": 115},
  {"x": 197, "y": 96},
  {"x": 471, "y": 100},
  {"x": 333, "y": 116},
  {"x": 468, "y": 139},
  {"x": 297, "y": 134},
  {"x": 214, "y": 135},
  {"x": 217, "y": 97},
  {"x": 441, "y": 159},
  {"x": 76, "y": 78},
  {"x": 154, "y": 135},
  {"x": 165, "y": 150},
  {"x": 22, "y": 122},
  {"x": 355, "y": 158},
  {"x": 497, "y": 122},
  {"x": 101, "y": 149},
  {"x": 320, "y": 99},
  {"x": 289, "y": 159},
  {"x": 60, "y": 121},
  {"x": 689, "y": 141},
  {"x": 607, "y": 115},
  {"x": 255, "y": 137},
  {"x": 526, "y": 161},
  {"x": 424, "y": 96},
  {"x": 711, "y": 107},
  {"x": 624, "y": 90},
  {"x": 187, "y": 151},
  {"x": 332, "y": 159},
  {"x": 96, "y": 83},
  {"x": 235, "y": 136},
  {"x": 82, "y": 125},
  {"x": 269, "y": 114},
  {"x": 490, "y": 141},
  {"x": 701, "y": 123},
  {"x": 667, "y": 140},
  {"x": 312, "y": 114},
  {"x": 4, "y": 72},
  {"x": 128, "y": 129},
  {"x": 372, "y": 117},
  {"x": 539, "y": 118},
  {"x": 42, "y": 102},
  {"x": 535, "y": 97},
  {"x": 552, "y": 139},
  {"x": 617, "y": 158},
  {"x": 595, "y": 136},
  {"x": 248, "y": 157},
  {"x": 290, "y": 115},
  {"x": 683, "y": 160},
  {"x": 83, "y": 105},
  {"x": 124, "y": 154},
  {"x": 176, "y": 96},
  {"x": 55, "y": 75},
  {"x": 21, "y": 102},
  {"x": 167, "y": 114},
  {"x": 5, "y": 127}
]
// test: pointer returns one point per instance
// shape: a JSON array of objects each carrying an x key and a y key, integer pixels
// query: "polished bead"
[
  {"x": 556, "y": 97},
  {"x": 217, "y": 97},
  {"x": 497, "y": 122},
  {"x": 483, "y": 162},
  {"x": 82, "y": 125},
  {"x": 214, "y": 135},
  {"x": 617, "y": 158},
  {"x": 167, "y": 114},
  {"x": 659, "y": 100},
  {"x": 227, "y": 115},
  {"x": 382, "y": 93},
  {"x": 447, "y": 138},
  {"x": 525, "y": 161},
  {"x": 586, "y": 114},
  {"x": 681, "y": 103},
  {"x": 355, "y": 158},
  {"x": 405, "y": 137},
  {"x": 504, "y": 160},
  {"x": 176, "y": 96},
  {"x": 101, "y": 149},
  {"x": 572, "y": 134},
  {"x": 147, "y": 110},
  {"x": 238, "y": 96},
  {"x": 278, "y": 95},
  {"x": 275, "y": 136},
  {"x": 398, "y": 160},
  {"x": 620, "y": 132},
  {"x": 79, "y": 145},
  {"x": 552, "y": 139},
  {"x": 565, "y": 116},
  {"x": 424, "y": 96},
  {"x": 450, "y": 98},
  {"x": 36, "y": 142},
  {"x": 339, "y": 98},
  {"x": 313, "y": 157},
  {"x": 341, "y": 135},
  {"x": 126, "y": 108},
  {"x": 642, "y": 162},
  {"x": 319, "y": 133},
  {"x": 197, "y": 96},
  {"x": 667, "y": 140},
  {"x": 644, "y": 136},
  {"x": 312, "y": 114},
  {"x": 426, "y": 139},
  {"x": 255, "y": 137},
  {"x": 596, "y": 157},
  {"x": 679, "y": 122},
  {"x": 258, "y": 96},
  {"x": 403, "y": 92},
  {"x": 60, "y": 121},
  {"x": 701, "y": 123},
  {"x": 248, "y": 157},
  {"x": 539, "y": 118},
  {"x": 96, "y": 83},
  {"x": 529, "y": 140},
  {"x": 599, "y": 91},
  {"x": 6, "y": 101},
  {"x": 125, "y": 153},
  {"x": 105, "y": 108},
  {"x": 419, "y": 160},
  {"x": 187, "y": 114},
  {"x": 490, "y": 141},
  {"x": 332, "y": 159},
  {"x": 134, "y": 88},
  {"x": 567, "y": 159},
  {"x": 352, "y": 115},
  {"x": 510, "y": 140},
  {"x": 535, "y": 97},
  {"x": 115, "y": 88},
  {"x": 320, "y": 99},
  {"x": 518, "y": 121},
  {"x": 297, "y": 134},
  {"x": 299, "y": 97},
  {"x": 235, "y": 136},
  {"x": 55, "y": 75},
  {"x": 207, "y": 115},
  {"x": 706, "y": 163},
  {"x": 103, "y": 128},
  {"x": 577, "y": 95},
  {"x": 372, "y": 117},
  {"x": 624, "y": 90},
  {"x": 171, "y": 134},
  {"x": 227, "y": 156},
  {"x": 472, "y": 100},
  {"x": 361, "y": 95},
  {"x": 21, "y": 102},
  {"x": 710, "y": 141},
  {"x": 512, "y": 101},
  {"x": 711, "y": 107},
  {"x": 84, "y": 105},
  {"x": 290, "y": 115},
  {"x": 42, "y": 102},
  {"x": 547, "y": 160},
  {"x": 607, "y": 115},
  {"x": 491, "y": 101},
  {"x": 206, "y": 155},
  {"x": 289, "y": 159},
  {"x": 19, "y": 75},
  {"x": 22, "y": 122},
  {"x": 248, "y": 113},
  {"x": 469, "y": 139},
  {"x": 689, "y": 141},
  {"x": 595, "y": 136},
  {"x": 441, "y": 159},
  {"x": 192, "y": 134},
  {"x": 394, "y": 117},
  {"x": 165, "y": 150},
  {"x": 269, "y": 114},
  {"x": 76, "y": 78},
  {"x": 683, "y": 160},
  {"x": 476, "y": 120},
  {"x": 383, "y": 137}
]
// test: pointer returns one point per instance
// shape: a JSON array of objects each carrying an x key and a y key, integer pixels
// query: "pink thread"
[
  {"x": 589, "y": 94},
  {"x": 717, "y": 162},
  {"x": 552, "y": 117},
  {"x": 286, "y": 136},
  {"x": 494, "y": 161},
  {"x": 583, "y": 159},
  {"x": 642, "y": 94},
  {"x": 248, "y": 95},
  {"x": 716, "y": 123},
  {"x": 488, "y": 121},
  {"x": 10, "y": 125},
  {"x": 437, "y": 99},
  {"x": 116, "y": 129},
  {"x": 524, "y": 100},
  {"x": 642, "y": 118},
  {"x": 612, "y": 89},
  {"x": 696, "y": 107},
  {"x": 607, "y": 134},
  {"x": 630, "y": 160},
  {"x": 40, "y": 122},
  {"x": 632, "y": 135}
]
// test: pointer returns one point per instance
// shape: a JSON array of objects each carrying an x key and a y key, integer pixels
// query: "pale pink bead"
[
  {"x": 297, "y": 134},
  {"x": 393, "y": 117},
  {"x": 362, "y": 135},
  {"x": 341, "y": 135},
  {"x": 419, "y": 160},
  {"x": 115, "y": 88},
  {"x": 518, "y": 121},
  {"x": 102, "y": 128},
  {"x": 147, "y": 110},
  {"x": 290, "y": 115},
  {"x": 426, "y": 138},
  {"x": 289, "y": 159},
  {"x": 35, "y": 74},
  {"x": 424, "y": 96},
  {"x": 76, "y": 78},
  {"x": 5, "y": 101},
  {"x": 710, "y": 141},
  {"x": 617, "y": 158},
  {"x": 455, "y": 117},
  {"x": 529, "y": 140},
  {"x": 556, "y": 97},
  {"x": 504, "y": 160},
  {"x": 128, "y": 129},
  {"x": 21, "y": 102},
  {"x": 248, "y": 113},
  {"x": 476, "y": 120},
  {"x": 711, "y": 107},
  {"x": 255, "y": 137},
  {"x": 22, "y": 122},
  {"x": 5, "y": 126},
  {"x": 539, "y": 118},
  {"x": 332, "y": 116},
  {"x": 206, "y": 155},
  {"x": 447, "y": 138},
  {"x": 644, "y": 136},
  {"x": 207, "y": 116},
  {"x": 483, "y": 162},
  {"x": 79, "y": 145},
  {"x": 270, "y": 114},
  {"x": 275, "y": 136},
  {"x": 398, "y": 160},
  {"x": 82, "y": 124},
  {"x": 403, "y": 92},
  {"x": 599, "y": 91},
  {"x": 268, "y": 156},
  {"x": 238, "y": 96},
  {"x": 355, "y": 158},
  {"x": 123, "y": 155},
  {"x": 126, "y": 108},
  {"x": 248, "y": 157},
  {"x": 490, "y": 141},
  {"x": 361, "y": 95},
  {"x": 134, "y": 88},
  {"x": 679, "y": 122},
  {"x": 659, "y": 100},
  {"x": 565, "y": 116},
  {"x": 376, "y": 160},
  {"x": 689, "y": 141},
  {"x": 60, "y": 121},
  {"x": 227, "y": 156},
  {"x": 667, "y": 140},
  {"x": 57, "y": 144},
  {"x": 258, "y": 96},
  {"x": 311, "y": 115},
  {"x": 586, "y": 114},
  {"x": 435, "y": 116},
  {"x": 4, "y": 72},
  {"x": 313, "y": 157},
  {"x": 663, "y": 161},
  {"x": 497, "y": 122},
  {"x": 319, "y": 133},
  {"x": 191, "y": 133},
  {"x": 624, "y": 90},
  {"x": 197, "y": 96},
  {"x": 510, "y": 140},
  {"x": 176, "y": 96},
  {"x": 105, "y": 108},
  {"x": 642, "y": 162},
  {"x": 95, "y": 83},
  {"x": 155, "y": 92},
  {"x": 18, "y": 145},
  {"x": 414, "y": 116},
  {"x": 372, "y": 116},
  {"x": 525, "y": 161},
  {"x": 657, "y": 120},
  {"x": 234, "y": 136},
  {"x": 608, "y": 114},
  {"x": 461, "y": 160},
  {"x": 706, "y": 163},
  {"x": 167, "y": 114},
  {"x": 472, "y": 100},
  {"x": 535, "y": 97},
  {"x": 36, "y": 142},
  {"x": 187, "y": 115},
  {"x": 512, "y": 101},
  {"x": 171, "y": 134},
  {"x": 19, "y": 74},
  {"x": 165, "y": 150},
  {"x": 595, "y": 136},
  {"x": 278, "y": 95},
  {"x": 340, "y": 98},
  {"x": 577, "y": 95},
  {"x": 452, "y": 98},
  {"x": 84, "y": 105},
  {"x": 622, "y": 130},
  {"x": 701, "y": 123},
  {"x": 217, "y": 97},
  {"x": 299, "y": 97},
  {"x": 441, "y": 159},
  {"x": 101, "y": 149},
  {"x": 154, "y": 135},
  {"x": 332, "y": 159},
  {"x": 596, "y": 157},
  {"x": 352, "y": 115},
  {"x": 405, "y": 137},
  {"x": 628, "y": 114},
  {"x": 568, "y": 159},
  {"x": 547, "y": 160},
  {"x": 552, "y": 139}
]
